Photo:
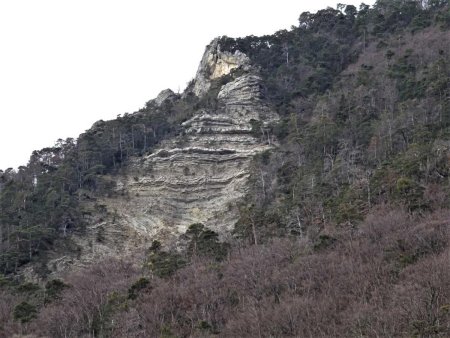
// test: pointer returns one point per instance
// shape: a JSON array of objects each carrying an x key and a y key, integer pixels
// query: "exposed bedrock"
[
  {"x": 216, "y": 63},
  {"x": 200, "y": 175}
]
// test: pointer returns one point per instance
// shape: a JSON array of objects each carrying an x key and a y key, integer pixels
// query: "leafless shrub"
[{"x": 389, "y": 277}]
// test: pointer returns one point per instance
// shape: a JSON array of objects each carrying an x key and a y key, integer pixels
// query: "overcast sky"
[{"x": 65, "y": 64}]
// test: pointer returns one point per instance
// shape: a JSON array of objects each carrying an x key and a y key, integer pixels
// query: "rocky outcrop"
[
  {"x": 216, "y": 63},
  {"x": 201, "y": 175},
  {"x": 165, "y": 96}
]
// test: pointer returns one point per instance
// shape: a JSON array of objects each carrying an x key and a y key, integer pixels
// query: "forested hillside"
[{"x": 345, "y": 229}]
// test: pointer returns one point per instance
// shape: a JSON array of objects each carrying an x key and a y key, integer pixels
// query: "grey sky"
[{"x": 66, "y": 64}]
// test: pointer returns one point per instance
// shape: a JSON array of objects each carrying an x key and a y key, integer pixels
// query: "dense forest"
[{"x": 345, "y": 231}]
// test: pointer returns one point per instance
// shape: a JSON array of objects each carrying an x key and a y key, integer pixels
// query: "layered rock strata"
[{"x": 199, "y": 176}]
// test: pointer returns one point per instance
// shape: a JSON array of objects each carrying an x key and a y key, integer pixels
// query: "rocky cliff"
[
  {"x": 201, "y": 174},
  {"x": 216, "y": 63},
  {"x": 198, "y": 176}
]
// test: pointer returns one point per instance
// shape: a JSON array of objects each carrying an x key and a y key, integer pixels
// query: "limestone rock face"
[
  {"x": 216, "y": 63},
  {"x": 199, "y": 176}
]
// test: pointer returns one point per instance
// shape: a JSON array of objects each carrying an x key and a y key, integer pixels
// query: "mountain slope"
[{"x": 298, "y": 187}]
